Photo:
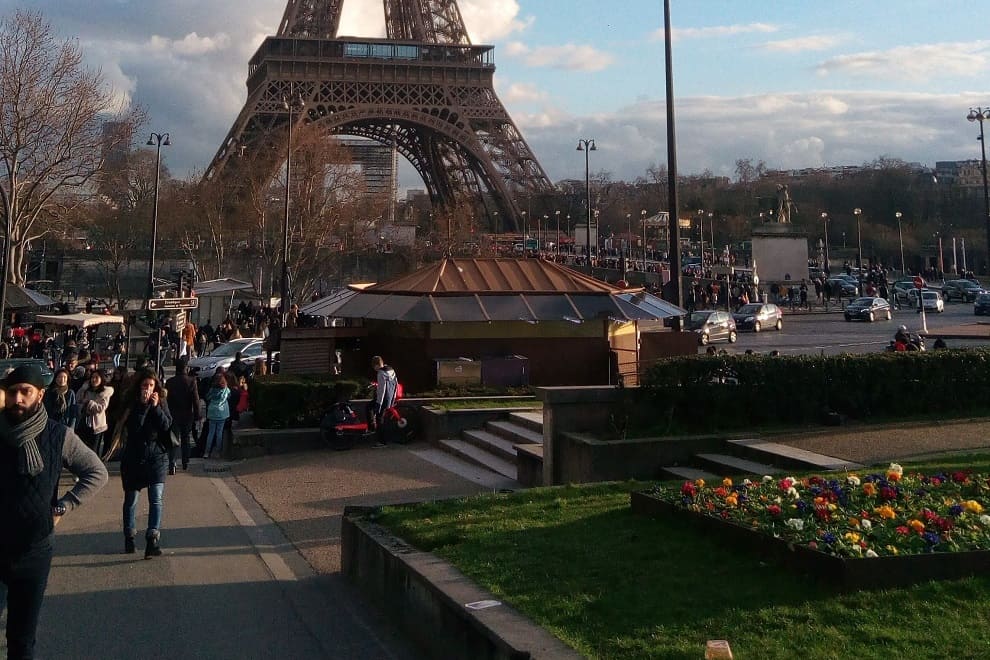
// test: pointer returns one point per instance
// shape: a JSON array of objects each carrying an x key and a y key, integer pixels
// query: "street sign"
[
  {"x": 918, "y": 282},
  {"x": 173, "y": 303},
  {"x": 180, "y": 320}
]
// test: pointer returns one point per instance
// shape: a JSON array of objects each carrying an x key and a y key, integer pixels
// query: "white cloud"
[
  {"x": 522, "y": 93},
  {"x": 362, "y": 19},
  {"x": 804, "y": 44},
  {"x": 572, "y": 57},
  {"x": 486, "y": 20},
  {"x": 921, "y": 62},
  {"x": 191, "y": 45},
  {"x": 718, "y": 31}
]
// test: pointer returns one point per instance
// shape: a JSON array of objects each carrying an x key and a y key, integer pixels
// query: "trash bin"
[
  {"x": 505, "y": 371},
  {"x": 458, "y": 371}
]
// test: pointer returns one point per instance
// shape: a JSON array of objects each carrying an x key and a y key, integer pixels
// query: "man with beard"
[{"x": 33, "y": 450}]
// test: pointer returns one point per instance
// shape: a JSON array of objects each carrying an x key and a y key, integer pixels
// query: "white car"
[
  {"x": 931, "y": 299},
  {"x": 223, "y": 356}
]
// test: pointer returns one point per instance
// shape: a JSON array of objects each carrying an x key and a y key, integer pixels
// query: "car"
[
  {"x": 840, "y": 286},
  {"x": 711, "y": 326},
  {"x": 867, "y": 309},
  {"x": 223, "y": 356},
  {"x": 932, "y": 300},
  {"x": 902, "y": 289},
  {"x": 12, "y": 363},
  {"x": 757, "y": 316},
  {"x": 981, "y": 306},
  {"x": 963, "y": 290}
]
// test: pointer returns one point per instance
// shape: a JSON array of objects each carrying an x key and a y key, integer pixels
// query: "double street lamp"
[
  {"x": 859, "y": 246},
  {"x": 981, "y": 114},
  {"x": 900, "y": 239},
  {"x": 825, "y": 266},
  {"x": 587, "y": 146},
  {"x": 157, "y": 140}
]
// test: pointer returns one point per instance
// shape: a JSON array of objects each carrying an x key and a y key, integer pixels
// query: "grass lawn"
[
  {"x": 615, "y": 585},
  {"x": 477, "y": 404}
]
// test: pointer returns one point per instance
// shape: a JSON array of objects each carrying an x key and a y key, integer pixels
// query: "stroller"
[{"x": 341, "y": 428}]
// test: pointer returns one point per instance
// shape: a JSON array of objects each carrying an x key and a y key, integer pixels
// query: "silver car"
[{"x": 223, "y": 356}]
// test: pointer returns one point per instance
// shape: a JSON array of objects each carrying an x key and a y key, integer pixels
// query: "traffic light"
[{"x": 182, "y": 283}]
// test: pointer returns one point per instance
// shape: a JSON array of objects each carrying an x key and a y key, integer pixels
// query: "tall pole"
[
  {"x": 642, "y": 215},
  {"x": 900, "y": 239},
  {"x": 825, "y": 230},
  {"x": 587, "y": 146},
  {"x": 557, "y": 214},
  {"x": 8, "y": 204},
  {"x": 701, "y": 239},
  {"x": 674, "y": 228},
  {"x": 156, "y": 140},
  {"x": 980, "y": 114},
  {"x": 711, "y": 230},
  {"x": 859, "y": 248},
  {"x": 287, "y": 103}
]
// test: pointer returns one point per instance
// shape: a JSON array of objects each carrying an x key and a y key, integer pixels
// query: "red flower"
[
  {"x": 786, "y": 483},
  {"x": 928, "y": 515},
  {"x": 721, "y": 491},
  {"x": 813, "y": 545},
  {"x": 960, "y": 477},
  {"x": 689, "y": 489},
  {"x": 888, "y": 494},
  {"x": 945, "y": 524},
  {"x": 773, "y": 510},
  {"x": 724, "y": 514},
  {"x": 903, "y": 530}
]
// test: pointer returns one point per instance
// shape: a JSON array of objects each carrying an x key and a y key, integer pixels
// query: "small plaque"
[{"x": 482, "y": 604}]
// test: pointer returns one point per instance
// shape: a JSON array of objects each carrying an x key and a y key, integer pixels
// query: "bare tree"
[
  {"x": 113, "y": 238},
  {"x": 52, "y": 143}
]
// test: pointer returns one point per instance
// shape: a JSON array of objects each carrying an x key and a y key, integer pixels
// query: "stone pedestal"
[{"x": 780, "y": 250}]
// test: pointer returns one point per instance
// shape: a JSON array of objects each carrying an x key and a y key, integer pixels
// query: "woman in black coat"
[{"x": 145, "y": 433}]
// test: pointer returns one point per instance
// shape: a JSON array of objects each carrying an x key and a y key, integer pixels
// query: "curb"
[{"x": 428, "y": 599}]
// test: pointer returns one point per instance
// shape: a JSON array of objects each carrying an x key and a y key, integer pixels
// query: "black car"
[
  {"x": 867, "y": 309},
  {"x": 12, "y": 363},
  {"x": 758, "y": 316},
  {"x": 963, "y": 290},
  {"x": 981, "y": 306},
  {"x": 711, "y": 325}
]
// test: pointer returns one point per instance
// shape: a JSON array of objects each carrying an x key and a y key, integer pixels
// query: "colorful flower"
[
  {"x": 689, "y": 489},
  {"x": 727, "y": 482},
  {"x": 773, "y": 510},
  {"x": 700, "y": 483},
  {"x": 871, "y": 554},
  {"x": 853, "y": 480},
  {"x": 797, "y": 524},
  {"x": 866, "y": 524},
  {"x": 972, "y": 506},
  {"x": 916, "y": 525},
  {"x": 869, "y": 489},
  {"x": 886, "y": 512}
]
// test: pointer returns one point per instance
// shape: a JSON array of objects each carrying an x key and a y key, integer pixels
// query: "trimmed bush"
[
  {"x": 720, "y": 392},
  {"x": 297, "y": 401}
]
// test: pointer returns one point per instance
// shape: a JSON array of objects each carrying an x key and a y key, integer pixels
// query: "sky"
[{"x": 794, "y": 83}]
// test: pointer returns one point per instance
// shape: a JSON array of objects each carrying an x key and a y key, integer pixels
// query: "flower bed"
[{"x": 885, "y": 529}]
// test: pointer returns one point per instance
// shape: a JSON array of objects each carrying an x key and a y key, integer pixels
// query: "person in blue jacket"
[{"x": 217, "y": 412}]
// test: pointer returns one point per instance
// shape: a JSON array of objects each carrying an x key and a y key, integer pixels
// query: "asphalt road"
[{"x": 828, "y": 333}]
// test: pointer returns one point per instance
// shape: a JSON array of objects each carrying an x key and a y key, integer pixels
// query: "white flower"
[
  {"x": 866, "y": 525},
  {"x": 896, "y": 469},
  {"x": 767, "y": 478},
  {"x": 746, "y": 482},
  {"x": 856, "y": 549},
  {"x": 777, "y": 500},
  {"x": 870, "y": 554},
  {"x": 793, "y": 494},
  {"x": 985, "y": 519},
  {"x": 795, "y": 523},
  {"x": 852, "y": 480}
]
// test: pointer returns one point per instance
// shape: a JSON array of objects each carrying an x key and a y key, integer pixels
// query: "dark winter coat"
[{"x": 145, "y": 458}]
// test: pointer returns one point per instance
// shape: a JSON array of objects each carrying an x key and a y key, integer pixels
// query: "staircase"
[
  {"x": 495, "y": 446},
  {"x": 756, "y": 458}
]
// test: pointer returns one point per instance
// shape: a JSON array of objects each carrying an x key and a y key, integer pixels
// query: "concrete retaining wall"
[{"x": 426, "y": 597}]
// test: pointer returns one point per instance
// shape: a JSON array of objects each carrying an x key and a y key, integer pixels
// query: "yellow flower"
[
  {"x": 892, "y": 549},
  {"x": 972, "y": 506},
  {"x": 732, "y": 500},
  {"x": 727, "y": 482},
  {"x": 854, "y": 522},
  {"x": 886, "y": 512},
  {"x": 916, "y": 525},
  {"x": 700, "y": 483},
  {"x": 869, "y": 489},
  {"x": 852, "y": 537}
]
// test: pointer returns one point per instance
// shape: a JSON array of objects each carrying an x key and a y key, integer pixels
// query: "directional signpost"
[{"x": 173, "y": 303}]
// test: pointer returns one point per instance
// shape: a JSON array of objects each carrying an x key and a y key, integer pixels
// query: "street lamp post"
[
  {"x": 587, "y": 146},
  {"x": 157, "y": 140},
  {"x": 642, "y": 215},
  {"x": 859, "y": 246},
  {"x": 980, "y": 114},
  {"x": 711, "y": 230},
  {"x": 495, "y": 213},
  {"x": 557, "y": 215},
  {"x": 825, "y": 231},
  {"x": 900, "y": 239},
  {"x": 289, "y": 103},
  {"x": 8, "y": 221}
]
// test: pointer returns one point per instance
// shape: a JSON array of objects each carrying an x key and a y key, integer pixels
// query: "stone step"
[
  {"x": 688, "y": 474},
  {"x": 729, "y": 466},
  {"x": 472, "y": 454},
  {"x": 790, "y": 457},
  {"x": 470, "y": 471},
  {"x": 493, "y": 444},
  {"x": 514, "y": 432},
  {"x": 531, "y": 419}
]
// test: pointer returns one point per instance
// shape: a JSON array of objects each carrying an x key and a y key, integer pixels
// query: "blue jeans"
[
  {"x": 155, "y": 495},
  {"x": 215, "y": 437},
  {"x": 26, "y": 577}
]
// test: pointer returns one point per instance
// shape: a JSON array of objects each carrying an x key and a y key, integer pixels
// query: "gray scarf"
[{"x": 24, "y": 436}]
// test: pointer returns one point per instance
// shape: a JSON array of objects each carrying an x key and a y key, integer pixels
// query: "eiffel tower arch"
[{"x": 425, "y": 88}]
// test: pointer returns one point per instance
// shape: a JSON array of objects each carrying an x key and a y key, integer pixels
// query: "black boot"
[
  {"x": 129, "y": 543},
  {"x": 152, "y": 549}
]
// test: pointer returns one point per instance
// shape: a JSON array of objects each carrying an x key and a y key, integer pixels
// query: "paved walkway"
[{"x": 232, "y": 583}]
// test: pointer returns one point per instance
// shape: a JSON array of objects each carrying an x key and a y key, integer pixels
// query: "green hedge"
[
  {"x": 298, "y": 402},
  {"x": 721, "y": 392}
]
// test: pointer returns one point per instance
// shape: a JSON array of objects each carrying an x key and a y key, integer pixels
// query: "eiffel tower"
[{"x": 425, "y": 87}]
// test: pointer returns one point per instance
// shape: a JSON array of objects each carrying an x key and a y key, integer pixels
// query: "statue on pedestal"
[{"x": 785, "y": 205}]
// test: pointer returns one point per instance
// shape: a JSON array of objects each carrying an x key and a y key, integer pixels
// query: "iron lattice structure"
[{"x": 425, "y": 87}]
